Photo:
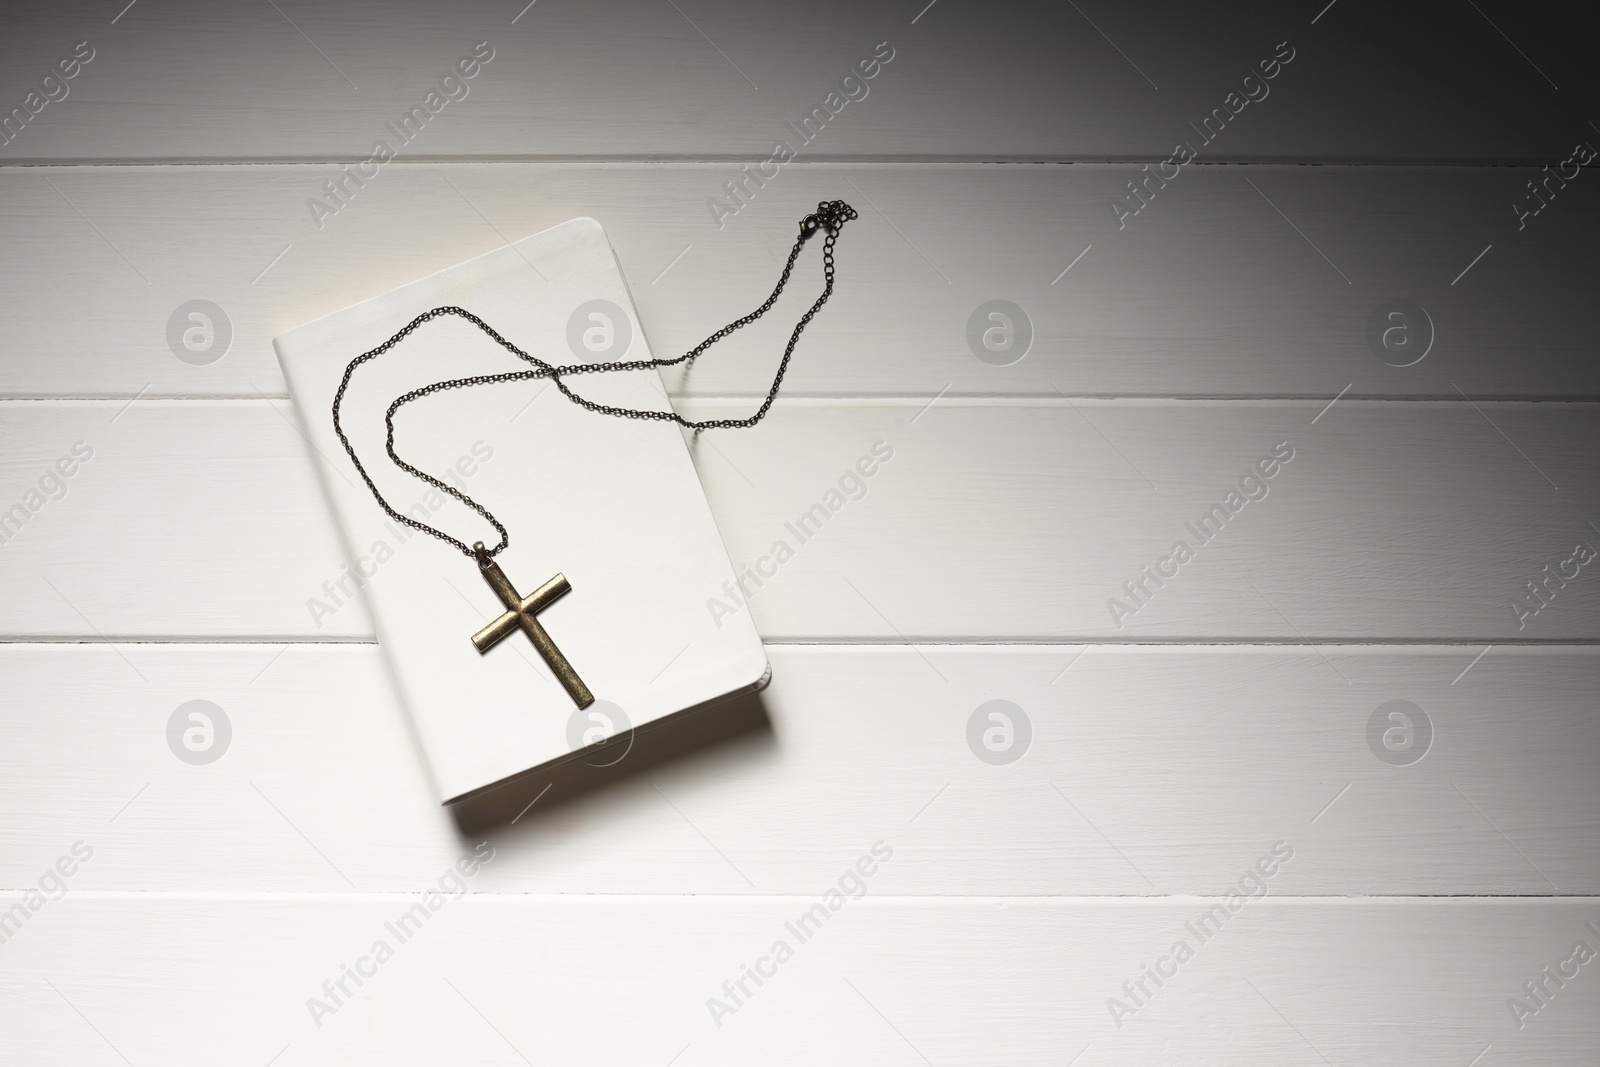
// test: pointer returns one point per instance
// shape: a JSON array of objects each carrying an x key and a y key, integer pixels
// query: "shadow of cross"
[{"x": 521, "y": 612}]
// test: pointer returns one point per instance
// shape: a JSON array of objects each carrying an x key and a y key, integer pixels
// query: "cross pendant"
[{"x": 521, "y": 613}]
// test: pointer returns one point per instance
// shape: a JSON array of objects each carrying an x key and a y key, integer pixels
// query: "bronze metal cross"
[{"x": 520, "y": 613}]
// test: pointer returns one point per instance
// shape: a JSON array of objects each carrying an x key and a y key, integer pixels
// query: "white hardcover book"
[{"x": 612, "y": 503}]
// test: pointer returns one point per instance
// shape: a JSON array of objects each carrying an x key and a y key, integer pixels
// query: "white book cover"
[{"x": 614, "y": 504}]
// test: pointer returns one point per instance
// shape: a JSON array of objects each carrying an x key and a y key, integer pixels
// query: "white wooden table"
[{"x": 1327, "y": 754}]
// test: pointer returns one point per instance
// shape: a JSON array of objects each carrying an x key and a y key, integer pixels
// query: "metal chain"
[{"x": 830, "y": 216}]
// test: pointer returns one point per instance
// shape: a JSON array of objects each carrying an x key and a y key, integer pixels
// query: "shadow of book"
[{"x": 688, "y": 734}]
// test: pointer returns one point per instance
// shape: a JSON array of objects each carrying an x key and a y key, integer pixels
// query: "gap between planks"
[
  {"x": 1178, "y": 644},
  {"x": 1132, "y": 900},
  {"x": 151, "y": 162},
  {"x": 800, "y": 398}
]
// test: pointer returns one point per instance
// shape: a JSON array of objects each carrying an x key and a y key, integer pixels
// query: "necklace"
[{"x": 522, "y": 611}]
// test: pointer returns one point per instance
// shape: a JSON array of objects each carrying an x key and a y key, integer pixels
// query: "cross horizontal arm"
[
  {"x": 534, "y": 602},
  {"x": 490, "y": 635},
  {"x": 546, "y": 594}
]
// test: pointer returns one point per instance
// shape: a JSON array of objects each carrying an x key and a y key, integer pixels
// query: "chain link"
[{"x": 830, "y": 216}]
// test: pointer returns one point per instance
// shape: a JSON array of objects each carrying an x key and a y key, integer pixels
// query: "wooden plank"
[
  {"x": 1159, "y": 771},
  {"x": 187, "y": 81},
  {"x": 1231, "y": 282},
  {"x": 1491, "y": 791},
  {"x": 493, "y": 979},
  {"x": 981, "y": 520}
]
